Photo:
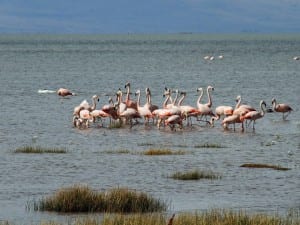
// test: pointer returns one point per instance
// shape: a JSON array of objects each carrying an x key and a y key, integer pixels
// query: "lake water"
[{"x": 257, "y": 67}]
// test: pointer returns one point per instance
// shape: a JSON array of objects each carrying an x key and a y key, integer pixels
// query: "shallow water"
[{"x": 255, "y": 67}]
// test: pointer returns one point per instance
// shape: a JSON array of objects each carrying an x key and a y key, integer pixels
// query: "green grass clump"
[
  {"x": 209, "y": 145},
  {"x": 195, "y": 175},
  {"x": 153, "y": 151},
  {"x": 82, "y": 199},
  {"x": 268, "y": 166},
  {"x": 39, "y": 150}
]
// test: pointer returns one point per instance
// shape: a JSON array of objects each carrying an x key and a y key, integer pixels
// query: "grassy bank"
[
  {"x": 39, "y": 150},
  {"x": 210, "y": 217}
]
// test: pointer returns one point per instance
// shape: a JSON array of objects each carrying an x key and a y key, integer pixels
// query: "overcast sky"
[{"x": 152, "y": 16}]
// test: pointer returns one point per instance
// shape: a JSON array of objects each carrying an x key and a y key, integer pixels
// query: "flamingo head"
[
  {"x": 127, "y": 85},
  {"x": 273, "y": 101},
  {"x": 96, "y": 97},
  {"x": 238, "y": 98},
  {"x": 137, "y": 92},
  {"x": 199, "y": 89},
  {"x": 210, "y": 88}
]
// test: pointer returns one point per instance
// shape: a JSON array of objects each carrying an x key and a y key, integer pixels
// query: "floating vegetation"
[
  {"x": 195, "y": 175},
  {"x": 209, "y": 145},
  {"x": 153, "y": 151},
  {"x": 268, "y": 166},
  {"x": 83, "y": 199},
  {"x": 40, "y": 150}
]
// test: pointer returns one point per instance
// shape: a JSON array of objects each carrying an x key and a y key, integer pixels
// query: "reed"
[
  {"x": 209, "y": 145},
  {"x": 214, "y": 216},
  {"x": 153, "y": 151},
  {"x": 267, "y": 166},
  {"x": 40, "y": 150},
  {"x": 195, "y": 175},
  {"x": 80, "y": 198}
]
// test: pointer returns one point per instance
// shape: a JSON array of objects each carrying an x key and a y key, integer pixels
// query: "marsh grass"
[
  {"x": 120, "y": 151},
  {"x": 153, "y": 151},
  {"x": 267, "y": 166},
  {"x": 40, "y": 150},
  {"x": 209, "y": 145},
  {"x": 210, "y": 217},
  {"x": 80, "y": 198},
  {"x": 195, "y": 175}
]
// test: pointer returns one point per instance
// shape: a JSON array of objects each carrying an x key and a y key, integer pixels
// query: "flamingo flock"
[{"x": 172, "y": 113}]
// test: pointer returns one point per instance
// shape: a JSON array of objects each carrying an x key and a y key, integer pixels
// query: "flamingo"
[
  {"x": 148, "y": 100},
  {"x": 208, "y": 90},
  {"x": 83, "y": 117},
  {"x": 243, "y": 106},
  {"x": 204, "y": 109},
  {"x": 255, "y": 115},
  {"x": 186, "y": 110},
  {"x": 223, "y": 110},
  {"x": 64, "y": 92},
  {"x": 129, "y": 103},
  {"x": 232, "y": 119},
  {"x": 173, "y": 120},
  {"x": 144, "y": 111},
  {"x": 283, "y": 108}
]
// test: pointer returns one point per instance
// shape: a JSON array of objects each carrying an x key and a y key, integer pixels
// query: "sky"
[{"x": 149, "y": 16}]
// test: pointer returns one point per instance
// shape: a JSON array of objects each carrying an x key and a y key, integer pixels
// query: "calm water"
[{"x": 255, "y": 67}]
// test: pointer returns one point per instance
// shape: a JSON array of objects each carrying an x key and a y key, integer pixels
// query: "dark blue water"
[{"x": 255, "y": 67}]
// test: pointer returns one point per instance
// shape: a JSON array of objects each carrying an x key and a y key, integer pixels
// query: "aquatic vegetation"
[
  {"x": 195, "y": 175},
  {"x": 40, "y": 150},
  {"x": 260, "y": 165},
  {"x": 209, "y": 145},
  {"x": 153, "y": 151},
  {"x": 81, "y": 198},
  {"x": 120, "y": 151},
  {"x": 213, "y": 216}
]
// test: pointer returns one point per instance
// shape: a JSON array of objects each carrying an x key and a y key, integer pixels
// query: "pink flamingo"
[
  {"x": 144, "y": 111},
  {"x": 187, "y": 111},
  {"x": 149, "y": 101},
  {"x": 255, "y": 115},
  {"x": 208, "y": 90},
  {"x": 204, "y": 109},
  {"x": 232, "y": 119},
  {"x": 129, "y": 103},
  {"x": 283, "y": 108},
  {"x": 64, "y": 92},
  {"x": 174, "y": 120}
]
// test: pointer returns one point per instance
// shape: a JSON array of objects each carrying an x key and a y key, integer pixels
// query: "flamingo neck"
[
  {"x": 138, "y": 99},
  {"x": 128, "y": 92},
  {"x": 166, "y": 101},
  {"x": 181, "y": 100},
  {"x": 238, "y": 103},
  {"x": 209, "y": 104},
  {"x": 200, "y": 97}
]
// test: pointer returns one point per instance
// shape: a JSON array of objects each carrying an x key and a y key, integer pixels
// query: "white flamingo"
[{"x": 144, "y": 111}]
